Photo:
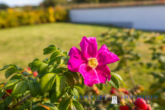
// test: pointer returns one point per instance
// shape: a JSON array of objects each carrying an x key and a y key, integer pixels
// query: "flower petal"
[
  {"x": 103, "y": 72},
  {"x": 104, "y": 56},
  {"x": 89, "y": 75},
  {"x": 89, "y": 47},
  {"x": 76, "y": 53},
  {"x": 76, "y": 59}
]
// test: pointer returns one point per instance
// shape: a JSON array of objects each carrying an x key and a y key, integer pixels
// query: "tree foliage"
[{"x": 3, "y": 6}]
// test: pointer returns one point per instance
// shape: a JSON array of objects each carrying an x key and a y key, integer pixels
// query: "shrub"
[
  {"x": 55, "y": 81},
  {"x": 15, "y": 17}
]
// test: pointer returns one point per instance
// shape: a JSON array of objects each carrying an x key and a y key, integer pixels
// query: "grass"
[{"x": 21, "y": 45}]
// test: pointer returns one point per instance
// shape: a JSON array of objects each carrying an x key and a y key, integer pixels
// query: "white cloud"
[{"x": 21, "y": 2}]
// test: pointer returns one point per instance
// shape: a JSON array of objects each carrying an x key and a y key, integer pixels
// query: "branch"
[{"x": 22, "y": 101}]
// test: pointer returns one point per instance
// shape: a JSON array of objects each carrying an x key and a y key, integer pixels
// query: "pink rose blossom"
[{"x": 91, "y": 62}]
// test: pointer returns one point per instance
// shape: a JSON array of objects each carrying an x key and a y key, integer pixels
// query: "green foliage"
[
  {"x": 19, "y": 89},
  {"x": 47, "y": 81},
  {"x": 54, "y": 86},
  {"x": 3, "y": 6},
  {"x": 115, "y": 78},
  {"x": 114, "y": 82},
  {"x": 8, "y": 100},
  {"x": 11, "y": 83},
  {"x": 69, "y": 79},
  {"x": 48, "y": 3},
  {"x": 54, "y": 80},
  {"x": 49, "y": 49},
  {"x": 34, "y": 88},
  {"x": 100, "y": 86},
  {"x": 35, "y": 64},
  {"x": 118, "y": 77},
  {"x": 156, "y": 42},
  {"x": 77, "y": 105},
  {"x": 126, "y": 44},
  {"x": 64, "y": 105}
]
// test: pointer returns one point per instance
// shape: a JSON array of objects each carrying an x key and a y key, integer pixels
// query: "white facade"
[{"x": 138, "y": 17}]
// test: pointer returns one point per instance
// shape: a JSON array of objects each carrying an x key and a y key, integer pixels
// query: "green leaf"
[
  {"x": 2, "y": 106},
  {"x": 24, "y": 106},
  {"x": 72, "y": 91},
  {"x": 75, "y": 92},
  {"x": 60, "y": 70},
  {"x": 57, "y": 94},
  {"x": 35, "y": 64},
  {"x": 69, "y": 78},
  {"x": 42, "y": 68},
  {"x": 64, "y": 104},
  {"x": 51, "y": 106},
  {"x": 75, "y": 75},
  {"x": 57, "y": 83},
  {"x": 11, "y": 83},
  {"x": 114, "y": 82},
  {"x": 79, "y": 89},
  {"x": 77, "y": 105},
  {"x": 10, "y": 71},
  {"x": 60, "y": 49},
  {"x": 7, "y": 66},
  {"x": 30, "y": 78},
  {"x": 8, "y": 100},
  {"x": 19, "y": 89},
  {"x": 55, "y": 54},
  {"x": 46, "y": 60},
  {"x": 2, "y": 93},
  {"x": 34, "y": 88},
  {"x": 26, "y": 73},
  {"x": 50, "y": 69},
  {"x": 62, "y": 83},
  {"x": 61, "y": 61},
  {"x": 118, "y": 77},
  {"x": 16, "y": 76},
  {"x": 55, "y": 59},
  {"x": 47, "y": 81},
  {"x": 39, "y": 108},
  {"x": 99, "y": 86},
  {"x": 49, "y": 49},
  {"x": 66, "y": 60},
  {"x": 66, "y": 53}
]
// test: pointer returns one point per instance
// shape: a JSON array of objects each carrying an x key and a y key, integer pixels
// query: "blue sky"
[{"x": 21, "y": 2}]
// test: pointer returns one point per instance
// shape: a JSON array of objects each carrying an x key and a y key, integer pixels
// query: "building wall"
[{"x": 139, "y": 17}]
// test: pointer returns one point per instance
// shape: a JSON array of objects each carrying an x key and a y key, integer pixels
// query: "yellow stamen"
[{"x": 92, "y": 62}]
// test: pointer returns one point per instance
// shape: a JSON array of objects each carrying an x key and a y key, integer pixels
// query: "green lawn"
[{"x": 21, "y": 45}]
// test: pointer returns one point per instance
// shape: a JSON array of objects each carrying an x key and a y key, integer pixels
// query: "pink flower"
[{"x": 90, "y": 62}]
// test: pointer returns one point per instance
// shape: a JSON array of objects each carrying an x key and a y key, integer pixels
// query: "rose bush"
[
  {"x": 140, "y": 53},
  {"x": 52, "y": 83}
]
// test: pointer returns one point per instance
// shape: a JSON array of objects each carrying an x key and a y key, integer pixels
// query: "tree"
[
  {"x": 3, "y": 6},
  {"x": 48, "y": 3}
]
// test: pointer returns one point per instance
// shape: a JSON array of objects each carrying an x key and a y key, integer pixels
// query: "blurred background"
[{"x": 132, "y": 29}]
